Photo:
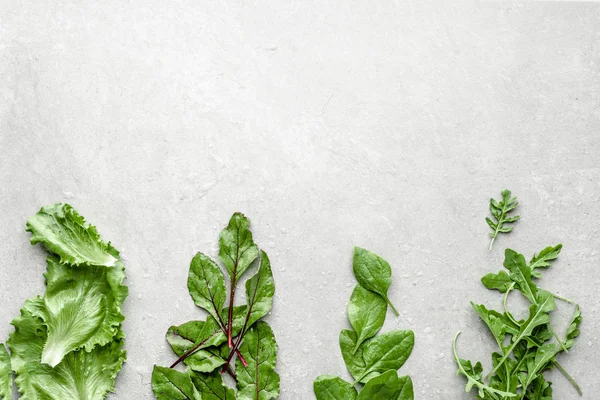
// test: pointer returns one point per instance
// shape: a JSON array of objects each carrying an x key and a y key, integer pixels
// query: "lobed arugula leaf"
[
  {"x": 525, "y": 348},
  {"x": 500, "y": 210},
  {"x": 328, "y": 387},
  {"x": 543, "y": 259},
  {"x": 5, "y": 374},
  {"x": 373, "y": 273}
]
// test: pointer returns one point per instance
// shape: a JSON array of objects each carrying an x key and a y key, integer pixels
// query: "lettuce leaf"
[
  {"x": 65, "y": 233},
  {"x": 5, "y": 374},
  {"x": 80, "y": 375},
  {"x": 80, "y": 308}
]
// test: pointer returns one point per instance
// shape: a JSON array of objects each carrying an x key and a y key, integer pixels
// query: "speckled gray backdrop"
[{"x": 330, "y": 124}]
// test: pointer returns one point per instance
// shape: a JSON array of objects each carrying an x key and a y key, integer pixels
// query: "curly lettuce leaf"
[
  {"x": 65, "y": 233},
  {"x": 80, "y": 308},
  {"x": 80, "y": 375},
  {"x": 5, "y": 374}
]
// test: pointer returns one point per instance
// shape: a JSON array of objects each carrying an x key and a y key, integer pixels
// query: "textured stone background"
[{"x": 331, "y": 125}]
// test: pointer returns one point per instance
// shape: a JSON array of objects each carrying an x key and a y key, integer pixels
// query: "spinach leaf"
[
  {"x": 366, "y": 313},
  {"x": 500, "y": 210},
  {"x": 373, "y": 273},
  {"x": 328, "y": 387},
  {"x": 371, "y": 359}
]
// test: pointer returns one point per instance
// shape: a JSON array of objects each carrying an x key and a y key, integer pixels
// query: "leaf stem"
[
  {"x": 569, "y": 377},
  {"x": 392, "y": 306}
]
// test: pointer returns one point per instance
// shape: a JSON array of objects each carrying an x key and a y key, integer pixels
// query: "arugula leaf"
[
  {"x": 543, "y": 259},
  {"x": 328, "y": 387},
  {"x": 170, "y": 384},
  {"x": 80, "y": 375},
  {"x": 258, "y": 380},
  {"x": 500, "y": 211},
  {"x": 573, "y": 329},
  {"x": 525, "y": 351},
  {"x": 373, "y": 273},
  {"x": 500, "y": 281},
  {"x": 5, "y": 374},
  {"x": 206, "y": 284},
  {"x": 520, "y": 273},
  {"x": 474, "y": 377},
  {"x": 211, "y": 387},
  {"x": 366, "y": 313},
  {"x": 65, "y": 233}
]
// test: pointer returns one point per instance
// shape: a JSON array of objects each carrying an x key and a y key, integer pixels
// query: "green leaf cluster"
[
  {"x": 502, "y": 222},
  {"x": 208, "y": 347},
  {"x": 527, "y": 347},
  {"x": 373, "y": 360},
  {"x": 68, "y": 343}
]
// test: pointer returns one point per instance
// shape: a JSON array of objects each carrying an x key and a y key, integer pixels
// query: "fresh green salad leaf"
[
  {"x": 206, "y": 284},
  {"x": 65, "y": 233},
  {"x": 500, "y": 209},
  {"x": 68, "y": 343},
  {"x": 328, "y": 387},
  {"x": 208, "y": 347},
  {"x": 371, "y": 359},
  {"x": 5, "y": 374},
  {"x": 211, "y": 387},
  {"x": 366, "y": 313},
  {"x": 258, "y": 379},
  {"x": 170, "y": 384},
  {"x": 373, "y": 273},
  {"x": 80, "y": 375},
  {"x": 526, "y": 350}
]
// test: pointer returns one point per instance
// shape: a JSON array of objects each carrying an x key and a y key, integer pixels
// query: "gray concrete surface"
[{"x": 330, "y": 124}]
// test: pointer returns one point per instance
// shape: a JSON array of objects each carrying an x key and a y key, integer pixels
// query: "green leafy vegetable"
[
  {"x": 500, "y": 210},
  {"x": 5, "y": 374},
  {"x": 68, "y": 344},
  {"x": 328, "y": 387},
  {"x": 371, "y": 359},
  {"x": 526, "y": 347},
  {"x": 366, "y": 313},
  {"x": 373, "y": 273},
  {"x": 209, "y": 347},
  {"x": 65, "y": 233},
  {"x": 258, "y": 379},
  {"x": 170, "y": 384}
]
